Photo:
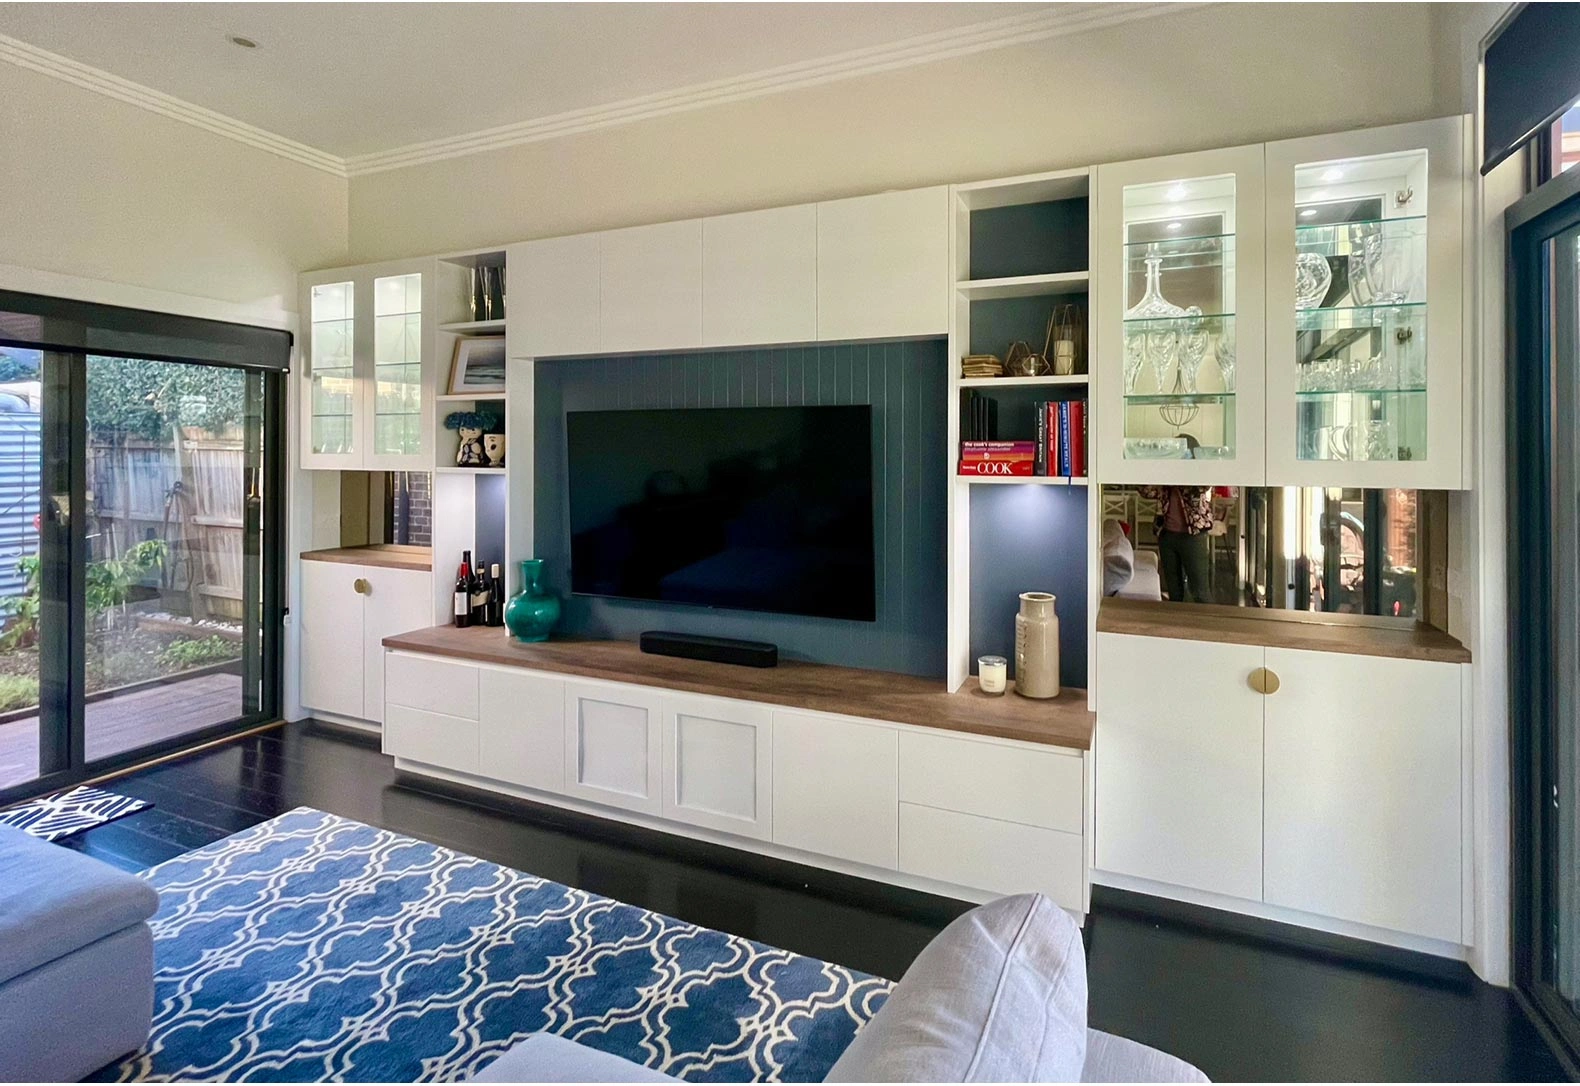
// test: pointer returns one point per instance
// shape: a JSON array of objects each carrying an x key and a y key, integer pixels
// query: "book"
[
  {"x": 1041, "y": 467},
  {"x": 1078, "y": 438},
  {"x": 997, "y": 468}
]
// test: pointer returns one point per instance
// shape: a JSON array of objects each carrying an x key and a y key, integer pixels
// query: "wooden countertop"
[
  {"x": 1356, "y": 635},
  {"x": 387, "y": 555},
  {"x": 877, "y": 695}
]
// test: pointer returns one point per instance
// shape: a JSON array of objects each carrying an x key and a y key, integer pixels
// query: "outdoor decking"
[{"x": 129, "y": 720}]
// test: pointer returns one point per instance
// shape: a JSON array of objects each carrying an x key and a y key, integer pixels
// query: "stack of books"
[
  {"x": 989, "y": 459},
  {"x": 1061, "y": 438}
]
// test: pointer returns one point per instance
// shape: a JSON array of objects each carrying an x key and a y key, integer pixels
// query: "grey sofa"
[
  {"x": 76, "y": 961},
  {"x": 998, "y": 996}
]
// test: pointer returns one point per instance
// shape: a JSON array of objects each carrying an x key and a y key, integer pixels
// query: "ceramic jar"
[
  {"x": 531, "y": 613},
  {"x": 1037, "y": 646}
]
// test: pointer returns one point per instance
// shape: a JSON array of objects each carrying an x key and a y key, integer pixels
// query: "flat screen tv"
[{"x": 754, "y": 508}]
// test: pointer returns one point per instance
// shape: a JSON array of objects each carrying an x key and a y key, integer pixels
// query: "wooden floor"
[
  {"x": 1241, "y": 1008},
  {"x": 129, "y": 721}
]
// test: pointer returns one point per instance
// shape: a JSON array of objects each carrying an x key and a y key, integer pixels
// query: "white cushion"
[
  {"x": 998, "y": 996},
  {"x": 1118, "y": 557}
]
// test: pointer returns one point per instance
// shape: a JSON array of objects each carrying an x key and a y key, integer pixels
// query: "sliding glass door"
[
  {"x": 139, "y": 571},
  {"x": 1544, "y": 604}
]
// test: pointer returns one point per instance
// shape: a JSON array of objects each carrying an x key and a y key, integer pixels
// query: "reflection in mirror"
[{"x": 1295, "y": 548}]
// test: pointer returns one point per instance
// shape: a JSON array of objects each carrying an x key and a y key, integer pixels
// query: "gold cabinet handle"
[
  {"x": 361, "y": 587},
  {"x": 1264, "y": 681}
]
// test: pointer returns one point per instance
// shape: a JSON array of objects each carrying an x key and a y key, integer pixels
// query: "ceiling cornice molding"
[
  {"x": 82, "y": 75},
  {"x": 1051, "y": 22}
]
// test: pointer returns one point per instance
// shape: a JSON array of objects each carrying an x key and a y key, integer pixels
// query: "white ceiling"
[{"x": 359, "y": 78}]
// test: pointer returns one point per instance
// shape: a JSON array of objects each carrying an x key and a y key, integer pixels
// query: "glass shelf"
[
  {"x": 1403, "y": 226},
  {"x": 1193, "y": 241},
  {"x": 1183, "y": 398},
  {"x": 1176, "y": 322},
  {"x": 1328, "y": 394}
]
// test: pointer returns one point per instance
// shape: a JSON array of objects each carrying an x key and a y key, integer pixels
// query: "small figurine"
[{"x": 470, "y": 425}]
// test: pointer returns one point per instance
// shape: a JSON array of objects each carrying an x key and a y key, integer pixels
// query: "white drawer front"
[
  {"x": 437, "y": 686},
  {"x": 985, "y": 854},
  {"x": 431, "y": 738},
  {"x": 1015, "y": 784},
  {"x": 522, "y": 728}
]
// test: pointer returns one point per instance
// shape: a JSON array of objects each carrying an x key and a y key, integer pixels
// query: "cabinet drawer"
[
  {"x": 436, "y": 686},
  {"x": 1014, "y": 784},
  {"x": 431, "y": 738},
  {"x": 986, "y": 854}
]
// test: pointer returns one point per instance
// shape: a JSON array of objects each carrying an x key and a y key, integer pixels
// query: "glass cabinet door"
[
  {"x": 1180, "y": 327},
  {"x": 1364, "y": 308},
  {"x": 331, "y": 430},
  {"x": 397, "y": 366}
]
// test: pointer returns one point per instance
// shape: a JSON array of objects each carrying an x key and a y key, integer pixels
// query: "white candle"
[{"x": 992, "y": 674}]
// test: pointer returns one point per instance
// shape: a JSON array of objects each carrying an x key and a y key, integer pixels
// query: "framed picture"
[{"x": 478, "y": 365}]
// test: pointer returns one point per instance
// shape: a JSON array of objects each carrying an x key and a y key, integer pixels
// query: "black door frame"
[
  {"x": 63, "y": 575},
  {"x": 1543, "y": 214}
]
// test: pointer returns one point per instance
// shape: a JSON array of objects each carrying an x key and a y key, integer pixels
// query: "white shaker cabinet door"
[
  {"x": 1179, "y": 763},
  {"x": 717, "y": 764},
  {"x": 333, "y": 658},
  {"x": 397, "y": 601},
  {"x": 1364, "y": 792},
  {"x": 613, "y": 751},
  {"x": 883, "y": 265}
]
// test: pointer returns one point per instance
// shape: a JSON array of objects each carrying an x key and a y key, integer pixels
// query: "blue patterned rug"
[
  {"x": 311, "y": 947},
  {"x": 66, "y": 813}
]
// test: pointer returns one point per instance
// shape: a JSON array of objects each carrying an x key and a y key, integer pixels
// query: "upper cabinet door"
[
  {"x": 331, "y": 421},
  {"x": 1180, "y": 309},
  {"x": 759, "y": 277},
  {"x": 557, "y": 282},
  {"x": 883, "y": 266},
  {"x": 651, "y": 287},
  {"x": 398, "y": 332},
  {"x": 1365, "y": 307}
]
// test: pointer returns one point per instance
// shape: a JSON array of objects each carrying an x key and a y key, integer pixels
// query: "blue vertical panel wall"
[
  {"x": 907, "y": 385},
  {"x": 1029, "y": 539}
]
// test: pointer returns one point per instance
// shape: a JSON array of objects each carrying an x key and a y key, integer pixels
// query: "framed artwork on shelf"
[{"x": 478, "y": 365}]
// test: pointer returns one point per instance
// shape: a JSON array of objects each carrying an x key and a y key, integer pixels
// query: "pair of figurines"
[{"x": 477, "y": 448}]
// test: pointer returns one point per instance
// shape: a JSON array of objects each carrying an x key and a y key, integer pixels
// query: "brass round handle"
[
  {"x": 361, "y": 586},
  {"x": 1264, "y": 681}
]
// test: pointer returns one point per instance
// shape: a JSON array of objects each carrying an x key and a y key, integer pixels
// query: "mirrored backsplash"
[{"x": 1351, "y": 551}]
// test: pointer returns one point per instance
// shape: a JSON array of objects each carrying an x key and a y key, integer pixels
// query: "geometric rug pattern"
[
  {"x": 313, "y": 948},
  {"x": 57, "y": 816}
]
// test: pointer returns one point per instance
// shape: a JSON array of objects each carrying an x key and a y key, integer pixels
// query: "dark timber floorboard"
[{"x": 1239, "y": 1007}]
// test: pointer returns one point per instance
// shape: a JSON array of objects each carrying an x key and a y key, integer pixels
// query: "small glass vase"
[{"x": 533, "y": 612}]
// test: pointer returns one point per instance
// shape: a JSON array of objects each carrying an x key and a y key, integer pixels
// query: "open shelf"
[
  {"x": 469, "y": 471},
  {"x": 469, "y": 397},
  {"x": 1025, "y": 286},
  {"x": 1025, "y": 382},
  {"x": 1034, "y": 480},
  {"x": 474, "y": 328}
]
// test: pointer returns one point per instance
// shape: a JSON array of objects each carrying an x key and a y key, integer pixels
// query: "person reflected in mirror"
[{"x": 1184, "y": 526}]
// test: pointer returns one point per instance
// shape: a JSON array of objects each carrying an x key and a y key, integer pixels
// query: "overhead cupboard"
[{"x": 1286, "y": 314}]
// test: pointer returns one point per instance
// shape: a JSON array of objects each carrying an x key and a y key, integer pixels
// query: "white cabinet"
[
  {"x": 650, "y": 287},
  {"x": 1179, "y": 763},
  {"x": 1004, "y": 857},
  {"x": 1363, "y": 817},
  {"x": 613, "y": 745},
  {"x": 522, "y": 728},
  {"x": 718, "y": 764},
  {"x": 1179, "y": 320},
  {"x": 368, "y": 367},
  {"x": 557, "y": 283},
  {"x": 437, "y": 739},
  {"x": 347, "y": 611},
  {"x": 1365, "y": 358},
  {"x": 759, "y": 277},
  {"x": 883, "y": 265},
  {"x": 836, "y": 787}
]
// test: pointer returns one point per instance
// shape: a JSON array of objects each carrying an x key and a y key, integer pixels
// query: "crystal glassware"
[
  {"x": 1223, "y": 355},
  {"x": 1162, "y": 343},
  {"x": 1135, "y": 358},
  {"x": 1380, "y": 441},
  {"x": 1193, "y": 348},
  {"x": 1392, "y": 271},
  {"x": 1313, "y": 277}
]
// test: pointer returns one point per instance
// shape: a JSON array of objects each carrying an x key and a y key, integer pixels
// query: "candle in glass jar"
[{"x": 992, "y": 674}]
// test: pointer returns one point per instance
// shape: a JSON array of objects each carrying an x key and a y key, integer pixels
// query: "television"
[{"x": 750, "y": 508}]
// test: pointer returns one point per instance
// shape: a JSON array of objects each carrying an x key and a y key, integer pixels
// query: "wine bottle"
[
  {"x": 496, "y": 597},
  {"x": 480, "y": 596},
  {"x": 463, "y": 591}
]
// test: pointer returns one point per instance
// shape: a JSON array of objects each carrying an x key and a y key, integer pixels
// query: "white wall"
[
  {"x": 111, "y": 193},
  {"x": 1211, "y": 77}
]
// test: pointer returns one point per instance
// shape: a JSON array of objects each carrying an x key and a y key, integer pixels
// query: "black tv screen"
[{"x": 755, "y": 508}]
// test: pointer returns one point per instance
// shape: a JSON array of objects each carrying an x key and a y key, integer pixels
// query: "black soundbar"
[{"x": 720, "y": 650}]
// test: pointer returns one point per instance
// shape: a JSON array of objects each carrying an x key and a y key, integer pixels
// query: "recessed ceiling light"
[
  {"x": 1306, "y": 214},
  {"x": 1320, "y": 194},
  {"x": 1177, "y": 193},
  {"x": 245, "y": 43},
  {"x": 1174, "y": 226},
  {"x": 1332, "y": 173}
]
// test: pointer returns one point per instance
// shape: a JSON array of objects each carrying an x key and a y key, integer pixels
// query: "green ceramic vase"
[{"x": 531, "y": 613}]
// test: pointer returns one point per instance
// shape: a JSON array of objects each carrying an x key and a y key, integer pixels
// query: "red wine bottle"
[
  {"x": 480, "y": 596},
  {"x": 463, "y": 591}
]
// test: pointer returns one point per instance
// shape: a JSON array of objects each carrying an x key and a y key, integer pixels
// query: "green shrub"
[
  {"x": 189, "y": 652},
  {"x": 17, "y": 692}
]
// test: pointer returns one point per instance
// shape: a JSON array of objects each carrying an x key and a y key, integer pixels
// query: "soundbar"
[{"x": 719, "y": 650}]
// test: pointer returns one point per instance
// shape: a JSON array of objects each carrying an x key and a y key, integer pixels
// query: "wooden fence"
[{"x": 190, "y": 492}]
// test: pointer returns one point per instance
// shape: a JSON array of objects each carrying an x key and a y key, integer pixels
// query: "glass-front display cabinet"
[
  {"x": 367, "y": 335},
  {"x": 1365, "y": 314},
  {"x": 1180, "y": 321}
]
